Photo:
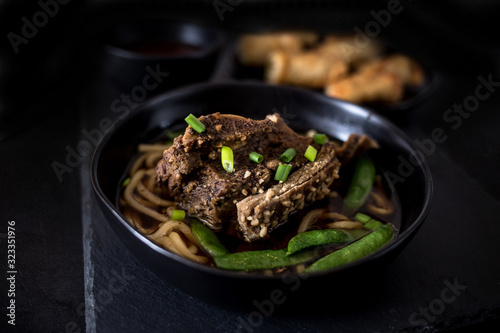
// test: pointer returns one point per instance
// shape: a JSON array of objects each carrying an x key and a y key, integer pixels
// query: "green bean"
[
  {"x": 317, "y": 237},
  {"x": 360, "y": 186},
  {"x": 357, "y": 233},
  {"x": 373, "y": 224},
  {"x": 261, "y": 260},
  {"x": 363, "y": 218},
  {"x": 207, "y": 238},
  {"x": 368, "y": 222},
  {"x": 354, "y": 251}
]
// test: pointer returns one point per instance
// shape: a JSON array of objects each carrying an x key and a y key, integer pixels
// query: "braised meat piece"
[
  {"x": 192, "y": 172},
  {"x": 355, "y": 145},
  {"x": 261, "y": 213}
]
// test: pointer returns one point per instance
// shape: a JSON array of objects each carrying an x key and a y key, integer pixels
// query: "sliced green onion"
[
  {"x": 288, "y": 155},
  {"x": 178, "y": 215},
  {"x": 256, "y": 157},
  {"x": 363, "y": 218},
  {"x": 311, "y": 153},
  {"x": 282, "y": 172},
  {"x": 195, "y": 123},
  {"x": 126, "y": 182},
  {"x": 320, "y": 139},
  {"x": 227, "y": 159}
]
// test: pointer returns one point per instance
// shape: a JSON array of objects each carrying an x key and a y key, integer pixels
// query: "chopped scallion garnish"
[
  {"x": 126, "y": 182},
  {"x": 288, "y": 155},
  {"x": 178, "y": 215},
  {"x": 320, "y": 139},
  {"x": 256, "y": 157},
  {"x": 195, "y": 123},
  {"x": 227, "y": 159},
  {"x": 311, "y": 153},
  {"x": 282, "y": 172}
]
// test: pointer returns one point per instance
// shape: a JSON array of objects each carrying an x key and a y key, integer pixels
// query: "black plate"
[
  {"x": 301, "y": 109},
  {"x": 412, "y": 96}
]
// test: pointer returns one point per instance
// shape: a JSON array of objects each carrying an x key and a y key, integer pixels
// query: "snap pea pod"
[
  {"x": 261, "y": 260},
  {"x": 360, "y": 185},
  {"x": 317, "y": 237},
  {"x": 363, "y": 218},
  {"x": 368, "y": 222},
  {"x": 354, "y": 251},
  {"x": 207, "y": 238},
  {"x": 373, "y": 224}
]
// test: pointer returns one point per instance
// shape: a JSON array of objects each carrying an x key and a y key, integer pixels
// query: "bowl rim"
[
  {"x": 203, "y": 51},
  {"x": 196, "y": 88}
]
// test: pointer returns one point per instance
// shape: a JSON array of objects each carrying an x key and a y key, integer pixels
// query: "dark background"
[{"x": 52, "y": 89}]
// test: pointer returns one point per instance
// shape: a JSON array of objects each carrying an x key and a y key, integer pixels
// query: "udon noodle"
[{"x": 145, "y": 209}]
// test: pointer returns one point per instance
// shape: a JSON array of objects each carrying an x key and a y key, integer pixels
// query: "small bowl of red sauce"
[{"x": 160, "y": 54}]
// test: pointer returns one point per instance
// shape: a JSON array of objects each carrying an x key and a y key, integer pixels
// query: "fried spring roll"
[
  {"x": 347, "y": 49},
  {"x": 407, "y": 69},
  {"x": 308, "y": 69},
  {"x": 254, "y": 49},
  {"x": 361, "y": 88}
]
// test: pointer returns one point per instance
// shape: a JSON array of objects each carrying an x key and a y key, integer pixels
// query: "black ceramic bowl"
[
  {"x": 301, "y": 109},
  {"x": 186, "y": 51}
]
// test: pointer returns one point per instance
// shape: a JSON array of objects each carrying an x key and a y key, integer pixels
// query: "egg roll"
[
  {"x": 346, "y": 49},
  {"x": 307, "y": 69},
  {"x": 409, "y": 71},
  {"x": 361, "y": 88},
  {"x": 254, "y": 49}
]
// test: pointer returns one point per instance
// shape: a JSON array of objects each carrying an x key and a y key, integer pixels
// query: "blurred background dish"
[
  {"x": 338, "y": 65},
  {"x": 186, "y": 51}
]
